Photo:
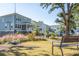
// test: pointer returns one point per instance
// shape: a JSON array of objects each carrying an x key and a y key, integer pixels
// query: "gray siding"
[{"x": 7, "y": 23}]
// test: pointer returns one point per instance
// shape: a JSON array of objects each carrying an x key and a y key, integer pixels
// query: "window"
[
  {"x": 23, "y": 27},
  {"x": 17, "y": 26},
  {"x": 40, "y": 29},
  {"x": 18, "y": 19},
  {"x": 11, "y": 26},
  {"x": 5, "y": 25}
]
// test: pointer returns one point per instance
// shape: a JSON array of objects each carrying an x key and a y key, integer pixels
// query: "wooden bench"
[
  {"x": 66, "y": 40},
  {"x": 70, "y": 38}
]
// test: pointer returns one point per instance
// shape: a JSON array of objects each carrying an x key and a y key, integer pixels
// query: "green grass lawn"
[{"x": 41, "y": 48}]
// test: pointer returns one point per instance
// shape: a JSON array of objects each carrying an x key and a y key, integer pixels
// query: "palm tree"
[{"x": 67, "y": 9}]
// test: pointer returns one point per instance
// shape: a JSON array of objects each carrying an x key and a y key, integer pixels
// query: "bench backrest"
[{"x": 70, "y": 38}]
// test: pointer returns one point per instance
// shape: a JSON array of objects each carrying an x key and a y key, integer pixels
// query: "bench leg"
[
  {"x": 77, "y": 46},
  {"x": 61, "y": 51},
  {"x": 52, "y": 48}
]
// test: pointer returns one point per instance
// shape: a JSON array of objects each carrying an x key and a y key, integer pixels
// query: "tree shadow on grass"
[
  {"x": 75, "y": 55},
  {"x": 72, "y": 48},
  {"x": 19, "y": 54},
  {"x": 15, "y": 50},
  {"x": 2, "y": 54},
  {"x": 45, "y": 54},
  {"x": 26, "y": 47}
]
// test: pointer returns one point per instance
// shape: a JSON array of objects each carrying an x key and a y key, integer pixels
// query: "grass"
[{"x": 39, "y": 48}]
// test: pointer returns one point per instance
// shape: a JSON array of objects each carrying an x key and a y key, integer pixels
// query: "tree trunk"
[
  {"x": 67, "y": 16},
  {"x": 67, "y": 32}
]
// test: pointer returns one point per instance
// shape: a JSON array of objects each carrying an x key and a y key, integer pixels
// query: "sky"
[{"x": 31, "y": 10}]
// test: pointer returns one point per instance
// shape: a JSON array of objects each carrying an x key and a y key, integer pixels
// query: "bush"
[
  {"x": 53, "y": 36},
  {"x": 19, "y": 38},
  {"x": 39, "y": 39},
  {"x": 15, "y": 37},
  {"x": 31, "y": 36}
]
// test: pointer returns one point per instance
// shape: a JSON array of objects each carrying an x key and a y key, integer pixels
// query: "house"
[
  {"x": 34, "y": 25},
  {"x": 77, "y": 27},
  {"x": 14, "y": 22},
  {"x": 42, "y": 27},
  {"x": 56, "y": 29}
]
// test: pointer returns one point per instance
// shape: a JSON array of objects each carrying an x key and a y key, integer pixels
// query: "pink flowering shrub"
[
  {"x": 13, "y": 37},
  {"x": 19, "y": 38}
]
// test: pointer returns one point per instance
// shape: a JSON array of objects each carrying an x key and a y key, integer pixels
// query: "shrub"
[
  {"x": 11, "y": 37},
  {"x": 39, "y": 39},
  {"x": 19, "y": 38},
  {"x": 18, "y": 32},
  {"x": 53, "y": 36},
  {"x": 31, "y": 36}
]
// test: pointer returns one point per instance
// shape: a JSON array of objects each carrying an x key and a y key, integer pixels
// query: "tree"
[
  {"x": 37, "y": 31},
  {"x": 47, "y": 32},
  {"x": 72, "y": 24},
  {"x": 67, "y": 9}
]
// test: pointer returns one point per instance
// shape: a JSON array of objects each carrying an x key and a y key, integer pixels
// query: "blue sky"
[{"x": 31, "y": 10}]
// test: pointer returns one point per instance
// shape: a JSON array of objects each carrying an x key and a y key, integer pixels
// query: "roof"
[{"x": 14, "y": 14}]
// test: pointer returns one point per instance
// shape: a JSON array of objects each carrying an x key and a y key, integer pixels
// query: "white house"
[
  {"x": 56, "y": 29},
  {"x": 77, "y": 27},
  {"x": 14, "y": 22},
  {"x": 42, "y": 27}
]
